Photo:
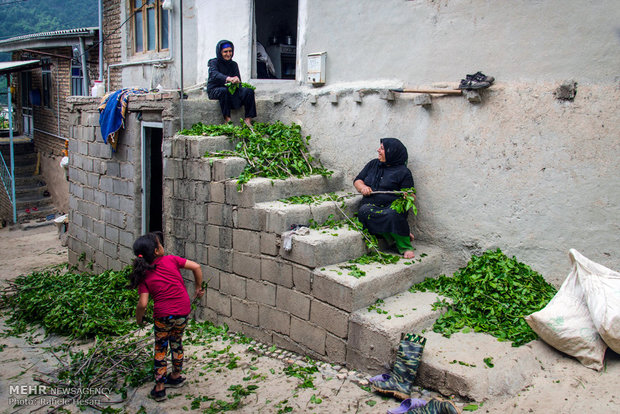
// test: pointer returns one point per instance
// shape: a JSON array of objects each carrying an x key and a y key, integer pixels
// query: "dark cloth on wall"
[
  {"x": 392, "y": 175},
  {"x": 219, "y": 70}
]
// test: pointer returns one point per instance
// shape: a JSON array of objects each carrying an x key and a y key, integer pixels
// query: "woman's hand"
[
  {"x": 199, "y": 292},
  {"x": 362, "y": 188},
  {"x": 233, "y": 79}
]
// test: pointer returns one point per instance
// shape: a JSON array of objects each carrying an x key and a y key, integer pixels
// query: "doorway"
[
  {"x": 152, "y": 177},
  {"x": 275, "y": 35}
]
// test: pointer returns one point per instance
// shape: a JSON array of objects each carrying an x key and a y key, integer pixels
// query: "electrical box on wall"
[{"x": 316, "y": 68}]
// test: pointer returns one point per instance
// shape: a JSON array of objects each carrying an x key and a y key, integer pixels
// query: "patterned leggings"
[{"x": 168, "y": 329}]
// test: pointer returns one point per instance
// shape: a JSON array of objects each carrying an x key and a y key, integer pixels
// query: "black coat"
[{"x": 392, "y": 175}]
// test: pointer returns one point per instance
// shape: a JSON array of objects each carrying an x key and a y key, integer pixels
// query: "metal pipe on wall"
[
  {"x": 181, "y": 54},
  {"x": 100, "y": 40},
  {"x": 84, "y": 67}
]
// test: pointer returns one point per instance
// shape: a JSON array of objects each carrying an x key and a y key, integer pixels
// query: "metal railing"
[{"x": 7, "y": 179}]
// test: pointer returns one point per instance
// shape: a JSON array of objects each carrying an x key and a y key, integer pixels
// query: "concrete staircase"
[
  {"x": 366, "y": 314},
  {"x": 33, "y": 199}
]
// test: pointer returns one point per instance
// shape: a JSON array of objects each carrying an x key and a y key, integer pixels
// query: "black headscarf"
[
  {"x": 220, "y": 69},
  {"x": 395, "y": 152}
]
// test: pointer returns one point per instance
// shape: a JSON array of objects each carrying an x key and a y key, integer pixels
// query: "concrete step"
[
  {"x": 33, "y": 200},
  {"x": 30, "y": 191},
  {"x": 18, "y": 148},
  {"x": 198, "y": 146},
  {"x": 30, "y": 181},
  {"x": 260, "y": 189},
  {"x": 42, "y": 212},
  {"x": 334, "y": 285},
  {"x": 452, "y": 366},
  {"x": 374, "y": 334},
  {"x": 279, "y": 216},
  {"x": 226, "y": 168},
  {"x": 325, "y": 247}
]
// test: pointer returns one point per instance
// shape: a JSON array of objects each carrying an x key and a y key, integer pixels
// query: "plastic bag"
[
  {"x": 601, "y": 288},
  {"x": 566, "y": 325}
]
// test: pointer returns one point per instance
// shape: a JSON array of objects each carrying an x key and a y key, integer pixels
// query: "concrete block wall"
[{"x": 252, "y": 287}]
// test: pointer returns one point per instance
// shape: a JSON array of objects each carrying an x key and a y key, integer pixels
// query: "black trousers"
[{"x": 242, "y": 96}]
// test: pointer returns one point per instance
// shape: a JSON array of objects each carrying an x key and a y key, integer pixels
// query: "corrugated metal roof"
[
  {"x": 51, "y": 35},
  {"x": 17, "y": 65}
]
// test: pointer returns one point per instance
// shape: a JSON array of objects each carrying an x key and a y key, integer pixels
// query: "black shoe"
[
  {"x": 158, "y": 395},
  {"x": 174, "y": 383},
  {"x": 480, "y": 77},
  {"x": 471, "y": 84}
]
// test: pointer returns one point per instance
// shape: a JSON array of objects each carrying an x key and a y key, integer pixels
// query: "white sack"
[
  {"x": 566, "y": 325},
  {"x": 601, "y": 288}
]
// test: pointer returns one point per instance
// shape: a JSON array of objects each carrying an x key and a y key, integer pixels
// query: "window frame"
[
  {"x": 77, "y": 81},
  {"x": 159, "y": 41},
  {"x": 46, "y": 82}
]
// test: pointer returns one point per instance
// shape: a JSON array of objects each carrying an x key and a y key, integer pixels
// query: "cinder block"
[
  {"x": 335, "y": 349},
  {"x": 302, "y": 278},
  {"x": 218, "y": 191},
  {"x": 245, "y": 311},
  {"x": 269, "y": 244},
  {"x": 173, "y": 168},
  {"x": 308, "y": 335},
  {"x": 197, "y": 170},
  {"x": 246, "y": 241},
  {"x": 202, "y": 191},
  {"x": 220, "y": 258},
  {"x": 219, "y": 236},
  {"x": 249, "y": 218},
  {"x": 225, "y": 168},
  {"x": 332, "y": 319},
  {"x": 246, "y": 265},
  {"x": 179, "y": 148},
  {"x": 202, "y": 254},
  {"x": 202, "y": 146},
  {"x": 261, "y": 292},
  {"x": 218, "y": 302},
  {"x": 219, "y": 214},
  {"x": 284, "y": 342},
  {"x": 211, "y": 276},
  {"x": 293, "y": 302},
  {"x": 233, "y": 285},
  {"x": 274, "y": 319},
  {"x": 276, "y": 272}
]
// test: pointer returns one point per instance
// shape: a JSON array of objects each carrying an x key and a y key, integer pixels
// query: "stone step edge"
[
  {"x": 334, "y": 284},
  {"x": 280, "y": 216}
]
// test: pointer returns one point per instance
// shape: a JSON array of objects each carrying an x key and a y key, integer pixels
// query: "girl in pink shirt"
[{"x": 158, "y": 275}]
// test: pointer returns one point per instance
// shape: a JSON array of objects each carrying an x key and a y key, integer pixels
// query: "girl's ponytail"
[{"x": 144, "y": 249}]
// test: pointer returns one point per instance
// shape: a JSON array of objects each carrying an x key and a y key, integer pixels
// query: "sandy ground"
[{"x": 562, "y": 386}]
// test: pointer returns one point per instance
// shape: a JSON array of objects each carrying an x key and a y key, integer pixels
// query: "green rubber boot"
[
  {"x": 405, "y": 368},
  {"x": 435, "y": 406}
]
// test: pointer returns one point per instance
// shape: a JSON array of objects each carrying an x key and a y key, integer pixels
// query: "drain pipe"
[
  {"x": 181, "y": 55},
  {"x": 84, "y": 68},
  {"x": 10, "y": 102},
  {"x": 100, "y": 78}
]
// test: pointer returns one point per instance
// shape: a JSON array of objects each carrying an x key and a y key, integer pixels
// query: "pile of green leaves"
[
  {"x": 232, "y": 87},
  {"x": 79, "y": 305},
  {"x": 316, "y": 199},
  {"x": 275, "y": 150},
  {"x": 492, "y": 294}
]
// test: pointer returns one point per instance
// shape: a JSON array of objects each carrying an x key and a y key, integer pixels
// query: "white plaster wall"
[
  {"x": 521, "y": 171},
  {"x": 217, "y": 20}
]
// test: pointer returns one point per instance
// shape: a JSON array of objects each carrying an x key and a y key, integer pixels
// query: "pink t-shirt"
[{"x": 165, "y": 284}]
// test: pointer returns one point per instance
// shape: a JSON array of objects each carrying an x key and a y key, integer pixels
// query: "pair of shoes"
[
  {"x": 436, "y": 406},
  {"x": 174, "y": 383},
  {"x": 158, "y": 395},
  {"x": 476, "y": 81},
  {"x": 399, "y": 381},
  {"x": 480, "y": 77}
]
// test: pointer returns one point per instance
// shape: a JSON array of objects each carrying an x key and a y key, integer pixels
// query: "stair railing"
[{"x": 7, "y": 179}]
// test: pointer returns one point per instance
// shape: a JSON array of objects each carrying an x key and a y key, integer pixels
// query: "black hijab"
[
  {"x": 221, "y": 62},
  {"x": 395, "y": 152}
]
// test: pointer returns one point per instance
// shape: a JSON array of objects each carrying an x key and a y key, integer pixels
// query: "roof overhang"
[
  {"x": 47, "y": 40},
  {"x": 18, "y": 66}
]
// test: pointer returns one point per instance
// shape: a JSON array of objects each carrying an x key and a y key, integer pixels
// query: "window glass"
[
  {"x": 139, "y": 40},
  {"x": 152, "y": 24},
  {"x": 138, "y": 4},
  {"x": 76, "y": 79},
  {"x": 46, "y": 82},
  {"x": 164, "y": 29}
]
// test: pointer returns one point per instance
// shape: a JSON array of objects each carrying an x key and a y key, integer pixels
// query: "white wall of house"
[{"x": 521, "y": 170}]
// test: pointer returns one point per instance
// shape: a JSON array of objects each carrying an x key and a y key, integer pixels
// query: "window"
[
  {"x": 46, "y": 82},
  {"x": 77, "y": 77},
  {"x": 150, "y": 26}
]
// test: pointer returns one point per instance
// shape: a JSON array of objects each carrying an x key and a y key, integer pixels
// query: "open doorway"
[
  {"x": 276, "y": 37},
  {"x": 152, "y": 177}
]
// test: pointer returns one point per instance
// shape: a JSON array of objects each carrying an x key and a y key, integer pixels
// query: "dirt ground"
[{"x": 563, "y": 385}]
